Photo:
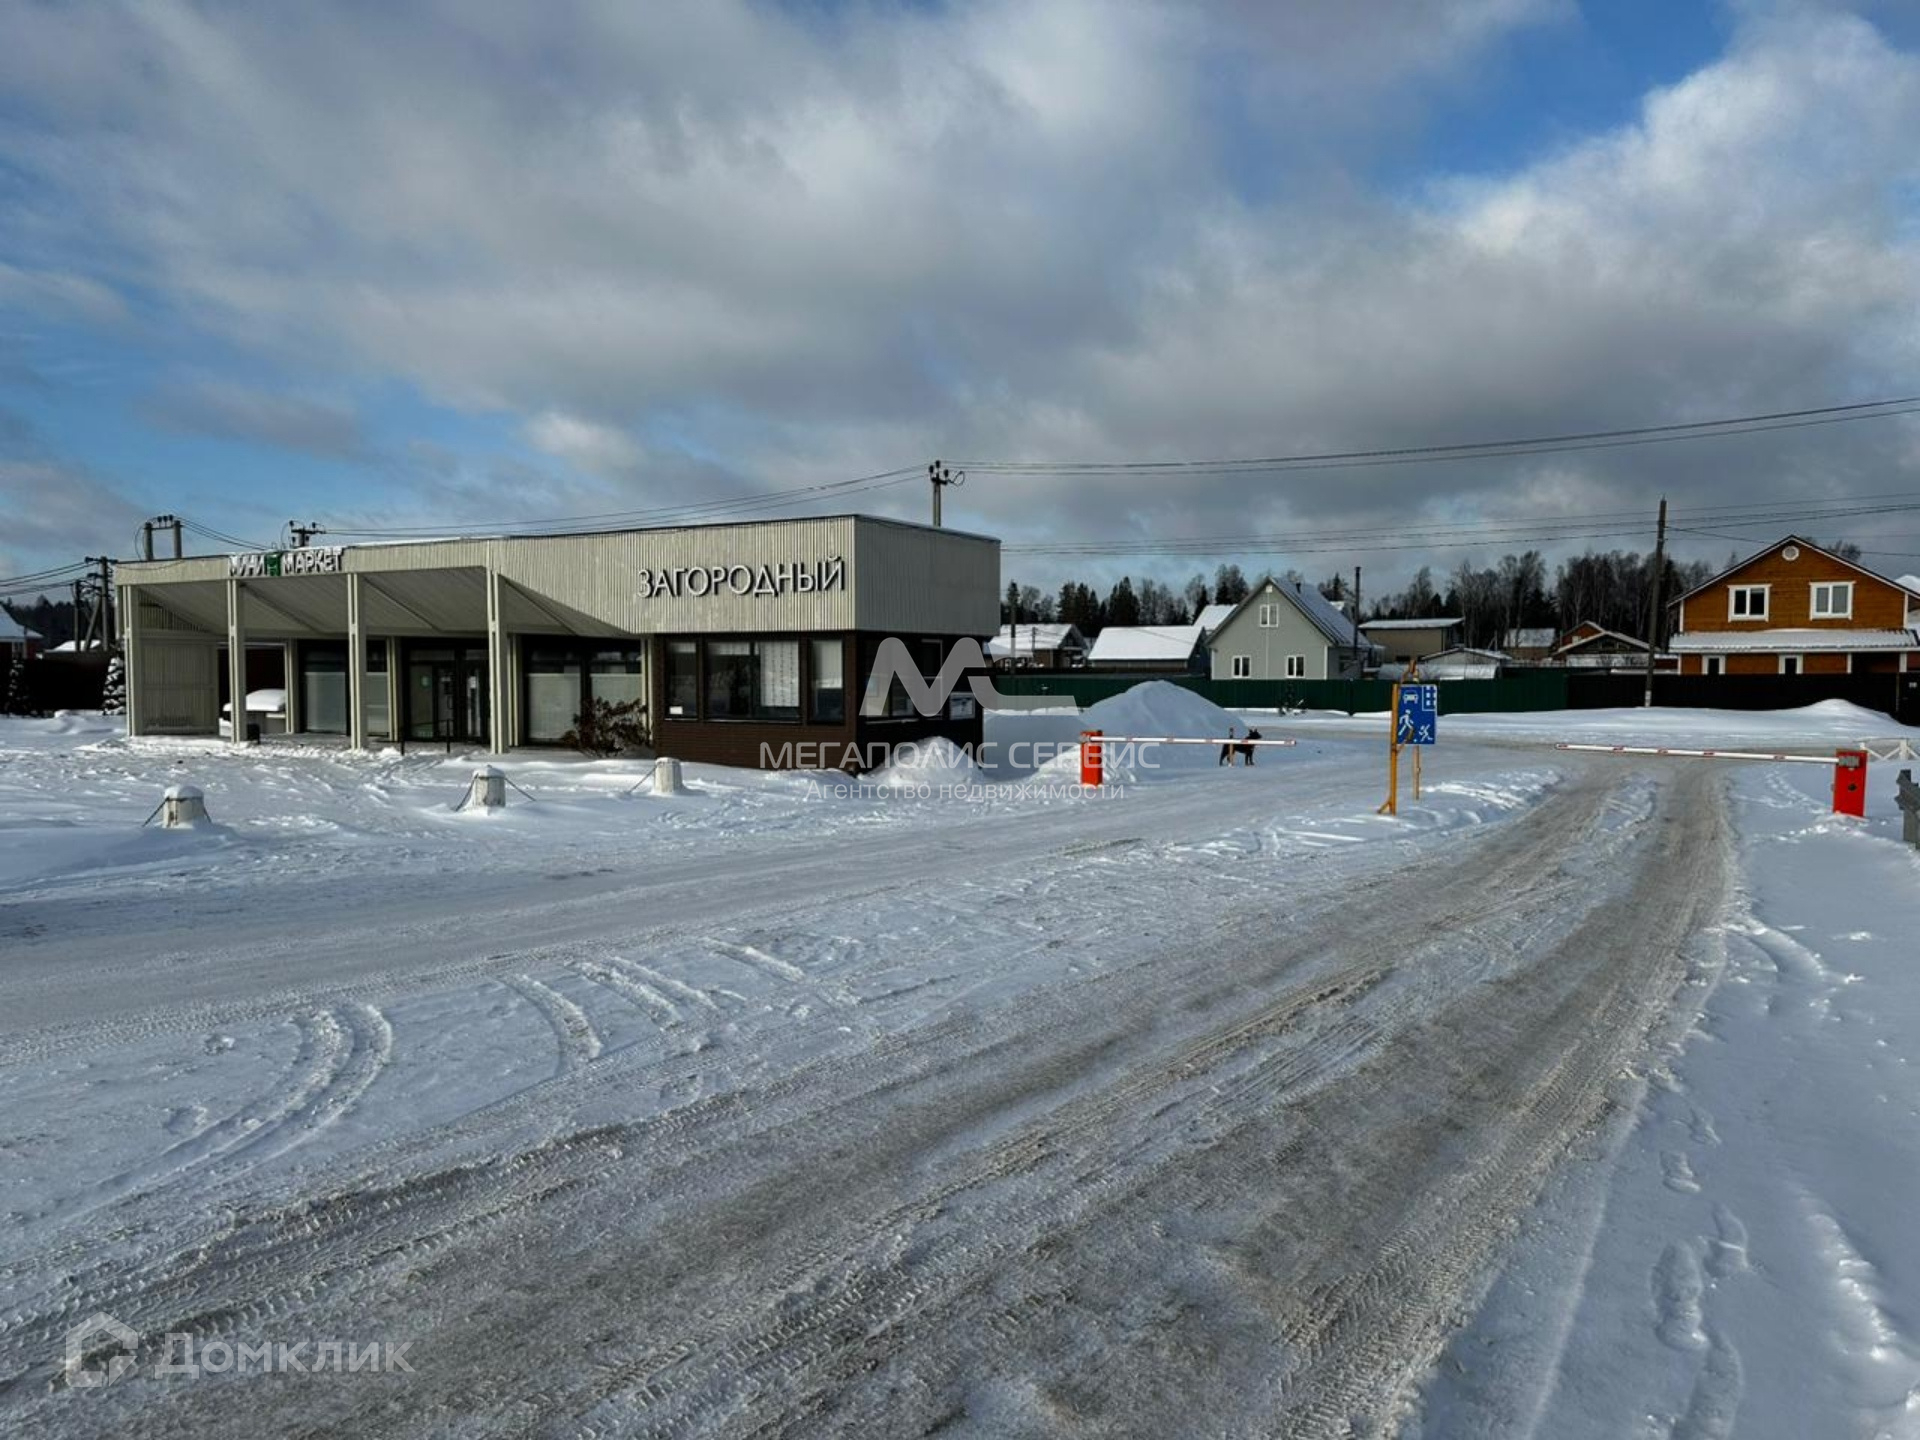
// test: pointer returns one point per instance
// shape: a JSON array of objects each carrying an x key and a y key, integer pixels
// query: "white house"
[{"x": 1286, "y": 630}]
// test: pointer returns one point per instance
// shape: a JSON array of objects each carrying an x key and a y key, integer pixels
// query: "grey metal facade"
[{"x": 842, "y": 575}]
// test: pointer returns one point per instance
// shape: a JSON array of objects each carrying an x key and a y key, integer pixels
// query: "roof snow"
[
  {"x": 1145, "y": 642},
  {"x": 1709, "y": 642},
  {"x": 1910, "y": 582},
  {"x": 1212, "y": 617},
  {"x": 1029, "y": 638},
  {"x": 1439, "y": 622}
]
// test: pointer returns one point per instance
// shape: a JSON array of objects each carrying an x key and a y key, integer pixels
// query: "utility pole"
[
  {"x": 146, "y": 539},
  {"x": 79, "y": 636},
  {"x": 303, "y": 534},
  {"x": 1659, "y": 582},
  {"x": 177, "y": 551},
  {"x": 103, "y": 603},
  {"x": 939, "y": 476},
  {"x": 1359, "y": 664}
]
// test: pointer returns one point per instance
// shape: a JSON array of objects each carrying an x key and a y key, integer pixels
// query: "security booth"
[{"x": 745, "y": 644}]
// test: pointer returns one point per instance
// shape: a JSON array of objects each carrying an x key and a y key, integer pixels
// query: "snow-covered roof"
[
  {"x": 1910, "y": 582},
  {"x": 1465, "y": 650},
  {"x": 12, "y": 631},
  {"x": 1145, "y": 642},
  {"x": 1332, "y": 621},
  {"x": 1708, "y": 642},
  {"x": 1027, "y": 639},
  {"x": 1600, "y": 632},
  {"x": 1439, "y": 622},
  {"x": 1462, "y": 662},
  {"x": 1530, "y": 639},
  {"x": 73, "y": 647},
  {"x": 1212, "y": 617}
]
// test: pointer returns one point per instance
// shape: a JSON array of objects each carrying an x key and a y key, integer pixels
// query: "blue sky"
[{"x": 452, "y": 265}]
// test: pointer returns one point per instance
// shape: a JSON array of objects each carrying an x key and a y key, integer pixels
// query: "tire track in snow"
[
  {"x": 1073, "y": 1156},
  {"x": 579, "y": 1042},
  {"x": 341, "y": 1053}
]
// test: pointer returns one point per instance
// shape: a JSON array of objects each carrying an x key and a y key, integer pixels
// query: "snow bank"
[
  {"x": 929, "y": 762},
  {"x": 1154, "y": 708}
]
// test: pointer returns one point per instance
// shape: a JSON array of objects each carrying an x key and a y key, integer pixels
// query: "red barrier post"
[
  {"x": 1850, "y": 782},
  {"x": 1092, "y": 770}
]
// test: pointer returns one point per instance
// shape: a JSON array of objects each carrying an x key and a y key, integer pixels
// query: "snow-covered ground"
[{"x": 962, "y": 1098}]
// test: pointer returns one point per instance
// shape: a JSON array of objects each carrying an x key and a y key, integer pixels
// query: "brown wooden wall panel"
[{"x": 1877, "y": 604}]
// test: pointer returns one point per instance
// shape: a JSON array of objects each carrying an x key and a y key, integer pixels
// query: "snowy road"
[{"x": 1082, "y": 1118}]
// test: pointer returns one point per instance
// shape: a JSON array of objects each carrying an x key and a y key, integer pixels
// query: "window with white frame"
[
  {"x": 1747, "y": 602},
  {"x": 1833, "y": 600},
  {"x": 1269, "y": 616},
  {"x": 1243, "y": 667},
  {"x": 1296, "y": 667}
]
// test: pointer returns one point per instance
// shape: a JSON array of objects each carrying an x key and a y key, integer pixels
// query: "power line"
[
  {"x": 1599, "y": 525},
  {"x": 797, "y": 495},
  {"x": 1473, "y": 450}
]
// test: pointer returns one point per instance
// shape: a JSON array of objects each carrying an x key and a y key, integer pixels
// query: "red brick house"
[{"x": 1797, "y": 609}]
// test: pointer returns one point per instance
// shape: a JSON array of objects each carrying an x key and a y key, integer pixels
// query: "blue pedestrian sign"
[{"x": 1418, "y": 720}]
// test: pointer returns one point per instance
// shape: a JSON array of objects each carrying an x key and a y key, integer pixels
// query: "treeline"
[
  {"x": 52, "y": 621},
  {"x": 1614, "y": 589}
]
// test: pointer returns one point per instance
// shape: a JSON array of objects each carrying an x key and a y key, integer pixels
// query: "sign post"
[{"x": 1416, "y": 722}]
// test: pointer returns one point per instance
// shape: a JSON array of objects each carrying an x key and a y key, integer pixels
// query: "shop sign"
[
  {"x": 786, "y": 578},
  {"x": 312, "y": 560}
]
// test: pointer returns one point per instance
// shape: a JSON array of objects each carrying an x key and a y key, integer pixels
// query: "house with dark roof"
[{"x": 1285, "y": 630}]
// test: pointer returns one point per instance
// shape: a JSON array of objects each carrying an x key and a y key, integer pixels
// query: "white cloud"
[
  {"x": 586, "y": 445},
  {"x": 821, "y": 243}
]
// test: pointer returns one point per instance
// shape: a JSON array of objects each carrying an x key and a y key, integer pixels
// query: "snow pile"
[
  {"x": 1157, "y": 707},
  {"x": 929, "y": 762}
]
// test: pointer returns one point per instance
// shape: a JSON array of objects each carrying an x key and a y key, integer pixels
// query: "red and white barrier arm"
[
  {"x": 1182, "y": 740},
  {"x": 1845, "y": 762}
]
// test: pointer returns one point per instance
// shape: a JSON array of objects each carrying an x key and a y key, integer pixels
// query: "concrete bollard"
[
  {"x": 1093, "y": 770},
  {"x": 666, "y": 775},
  {"x": 488, "y": 788},
  {"x": 183, "y": 806}
]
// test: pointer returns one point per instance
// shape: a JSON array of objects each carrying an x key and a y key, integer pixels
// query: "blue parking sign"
[{"x": 1418, "y": 720}]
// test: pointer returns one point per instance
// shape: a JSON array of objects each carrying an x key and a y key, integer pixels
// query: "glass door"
[{"x": 447, "y": 693}]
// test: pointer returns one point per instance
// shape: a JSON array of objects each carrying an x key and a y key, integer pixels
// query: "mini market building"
[{"x": 737, "y": 640}]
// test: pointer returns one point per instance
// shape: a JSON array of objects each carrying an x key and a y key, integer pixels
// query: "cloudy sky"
[{"x": 463, "y": 263}]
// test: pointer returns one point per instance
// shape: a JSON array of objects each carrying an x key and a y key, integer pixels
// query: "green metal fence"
[{"x": 1534, "y": 690}]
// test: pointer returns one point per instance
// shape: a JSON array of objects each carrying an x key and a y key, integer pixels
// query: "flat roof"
[{"x": 393, "y": 541}]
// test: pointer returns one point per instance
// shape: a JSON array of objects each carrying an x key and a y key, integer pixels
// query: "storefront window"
[
  {"x": 553, "y": 693},
  {"x": 323, "y": 690},
  {"x": 730, "y": 679},
  {"x": 617, "y": 676},
  {"x": 778, "y": 697},
  {"x": 683, "y": 679},
  {"x": 753, "y": 679},
  {"x": 827, "y": 705}
]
